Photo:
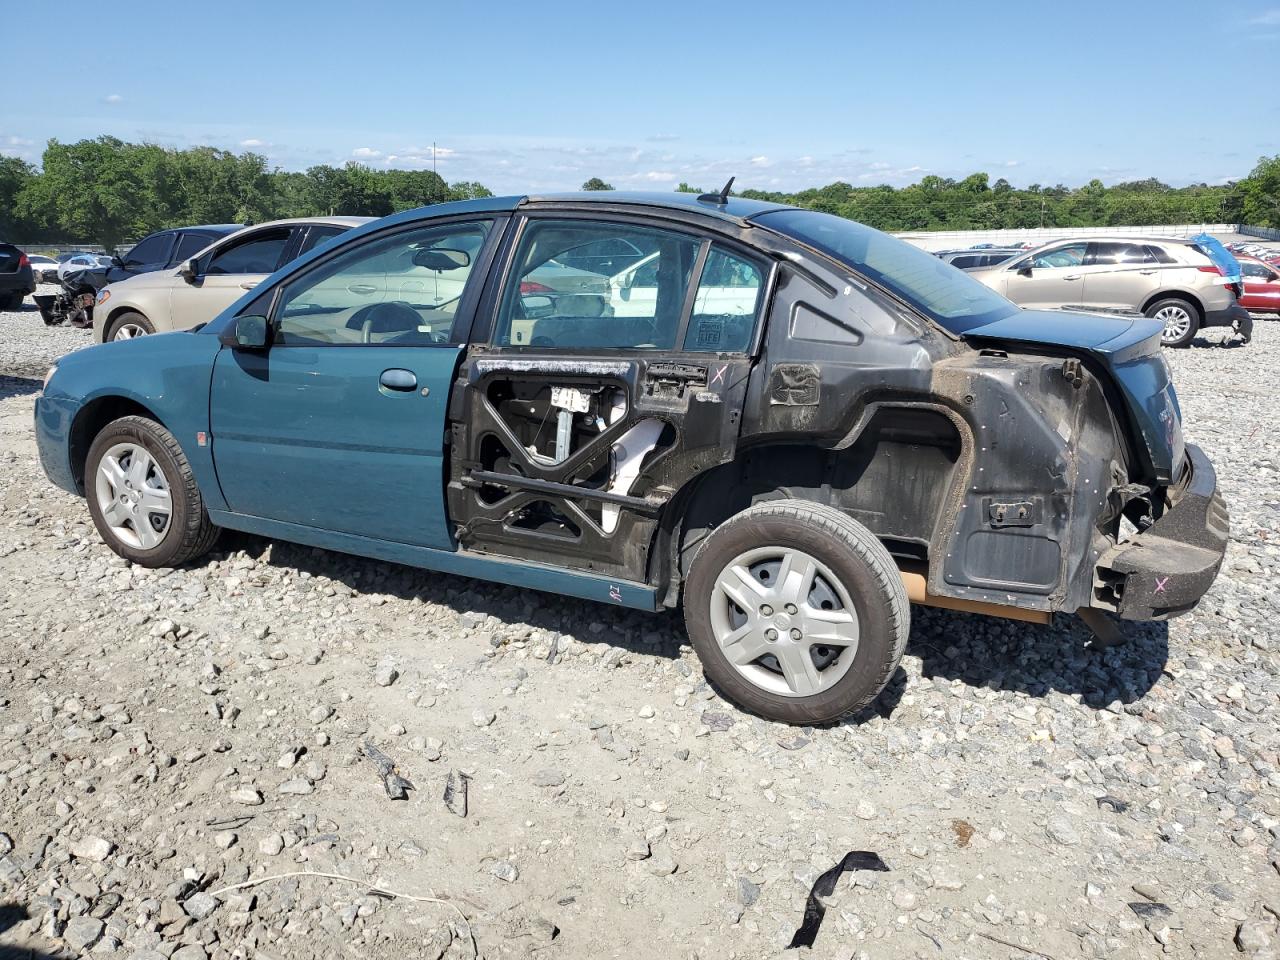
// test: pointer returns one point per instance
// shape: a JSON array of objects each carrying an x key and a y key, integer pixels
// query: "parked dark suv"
[
  {"x": 787, "y": 423},
  {"x": 16, "y": 278},
  {"x": 167, "y": 248}
]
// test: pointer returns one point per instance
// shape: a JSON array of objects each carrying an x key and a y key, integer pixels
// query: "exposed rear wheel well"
[
  {"x": 89, "y": 423},
  {"x": 893, "y": 479}
]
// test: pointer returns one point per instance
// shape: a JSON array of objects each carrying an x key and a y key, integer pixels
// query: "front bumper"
[
  {"x": 53, "y": 419},
  {"x": 1165, "y": 570}
]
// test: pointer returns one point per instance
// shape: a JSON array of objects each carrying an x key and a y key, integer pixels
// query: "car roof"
[{"x": 735, "y": 208}]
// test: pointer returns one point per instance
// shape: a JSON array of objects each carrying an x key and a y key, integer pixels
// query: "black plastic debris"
[
  {"x": 1115, "y": 803},
  {"x": 455, "y": 793},
  {"x": 824, "y": 886},
  {"x": 397, "y": 787}
]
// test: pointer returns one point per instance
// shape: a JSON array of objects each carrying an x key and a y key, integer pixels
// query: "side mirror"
[
  {"x": 247, "y": 333},
  {"x": 441, "y": 258},
  {"x": 117, "y": 262},
  {"x": 189, "y": 270},
  {"x": 1024, "y": 270}
]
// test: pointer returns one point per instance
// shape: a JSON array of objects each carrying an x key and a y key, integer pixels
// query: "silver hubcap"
[
  {"x": 1176, "y": 320},
  {"x": 133, "y": 496},
  {"x": 784, "y": 621},
  {"x": 127, "y": 331}
]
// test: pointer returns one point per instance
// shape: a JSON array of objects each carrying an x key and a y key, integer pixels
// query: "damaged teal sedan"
[{"x": 788, "y": 424}]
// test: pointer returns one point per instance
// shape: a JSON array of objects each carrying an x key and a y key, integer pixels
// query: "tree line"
[{"x": 110, "y": 191}]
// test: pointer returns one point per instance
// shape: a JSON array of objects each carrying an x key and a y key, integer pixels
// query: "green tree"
[
  {"x": 595, "y": 183},
  {"x": 15, "y": 178}
]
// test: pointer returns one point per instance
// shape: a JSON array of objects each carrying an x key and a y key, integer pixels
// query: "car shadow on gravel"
[
  {"x": 980, "y": 651},
  {"x": 17, "y": 386},
  {"x": 12, "y": 914},
  {"x": 1036, "y": 659}
]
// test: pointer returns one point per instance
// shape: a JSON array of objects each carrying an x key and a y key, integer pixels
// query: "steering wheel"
[{"x": 393, "y": 316}]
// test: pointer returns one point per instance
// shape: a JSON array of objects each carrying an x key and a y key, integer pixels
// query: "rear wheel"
[
  {"x": 143, "y": 496},
  {"x": 129, "y": 325},
  {"x": 797, "y": 612},
  {"x": 14, "y": 301},
  {"x": 1181, "y": 320}
]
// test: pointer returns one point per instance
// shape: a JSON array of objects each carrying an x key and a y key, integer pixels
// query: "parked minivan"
[{"x": 1170, "y": 280}]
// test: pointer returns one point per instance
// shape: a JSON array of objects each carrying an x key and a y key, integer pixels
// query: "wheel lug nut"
[
  {"x": 766, "y": 610},
  {"x": 796, "y": 634},
  {"x": 771, "y": 634},
  {"x": 791, "y": 608}
]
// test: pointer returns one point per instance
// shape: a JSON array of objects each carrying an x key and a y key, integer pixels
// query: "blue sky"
[{"x": 540, "y": 96}]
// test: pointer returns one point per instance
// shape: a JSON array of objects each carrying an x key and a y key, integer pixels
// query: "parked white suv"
[{"x": 1174, "y": 281}]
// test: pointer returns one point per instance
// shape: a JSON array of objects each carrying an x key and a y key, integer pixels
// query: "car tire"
[
  {"x": 131, "y": 462},
  {"x": 835, "y": 578},
  {"x": 128, "y": 325},
  {"x": 14, "y": 301},
  {"x": 1181, "y": 320}
]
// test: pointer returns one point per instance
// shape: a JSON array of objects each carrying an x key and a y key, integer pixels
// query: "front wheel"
[
  {"x": 797, "y": 612},
  {"x": 129, "y": 325},
  {"x": 143, "y": 496},
  {"x": 1181, "y": 321}
]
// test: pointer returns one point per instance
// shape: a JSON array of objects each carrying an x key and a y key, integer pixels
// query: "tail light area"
[{"x": 1237, "y": 290}]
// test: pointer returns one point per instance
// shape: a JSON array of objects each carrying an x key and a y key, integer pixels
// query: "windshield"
[{"x": 936, "y": 289}]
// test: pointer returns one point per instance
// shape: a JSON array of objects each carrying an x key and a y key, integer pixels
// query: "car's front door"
[
  {"x": 1049, "y": 278},
  {"x": 226, "y": 272},
  {"x": 340, "y": 423}
]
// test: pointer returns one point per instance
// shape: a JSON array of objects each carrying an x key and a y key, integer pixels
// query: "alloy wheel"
[
  {"x": 127, "y": 331},
  {"x": 1176, "y": 320}
]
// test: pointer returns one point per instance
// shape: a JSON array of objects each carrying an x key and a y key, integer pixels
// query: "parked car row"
[
  {"x": 778, "y": 420},
  {"x": 1176, "y": 281}
]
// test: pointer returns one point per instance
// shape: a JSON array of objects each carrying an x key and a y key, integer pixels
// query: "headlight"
[
  {"x": 104, "y": 296},
  {"x": 49, "y": 376}
]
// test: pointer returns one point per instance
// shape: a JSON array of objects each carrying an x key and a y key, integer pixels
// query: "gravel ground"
[{"x": 167, "y": 734}]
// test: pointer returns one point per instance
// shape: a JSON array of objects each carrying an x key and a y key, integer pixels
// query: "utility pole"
[
  {"x": 433, "y": 157},
  {"x": 1042, "y": 213}
]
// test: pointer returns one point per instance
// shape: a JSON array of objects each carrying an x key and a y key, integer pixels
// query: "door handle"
[
  {"x": 248, "y": 284},
  {"x": 362, "y": 288},
  {"x": 1146, "y": 273},
  {"x": 1076, "y": 277},
  {"x": 398, "y": 379}
]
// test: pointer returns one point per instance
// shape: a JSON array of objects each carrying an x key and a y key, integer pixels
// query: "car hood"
[{"x": 1128, "y": 347}]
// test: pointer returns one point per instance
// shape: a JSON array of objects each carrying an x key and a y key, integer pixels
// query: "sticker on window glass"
[{"x": 710, "y": 332}]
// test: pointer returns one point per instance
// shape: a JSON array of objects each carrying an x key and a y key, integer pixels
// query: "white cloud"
[
  {"x": 1012, "y": 163},
  {"x": 253, "y": 142},
  {"x": 761, "y": 161},
  {"x": 113, "y": 98},
  {"x": 366, "y": 153},
  {"x": 1268, "y": 18}
]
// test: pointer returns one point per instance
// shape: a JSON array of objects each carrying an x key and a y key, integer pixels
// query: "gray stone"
[
  {"x": 81, "y": 933},
  {"x": 748, "y": 892},
  {"x": 505, "y": 870},
  {"x": 94, "y": 849},
  {"x": 1061, "y": 830},
  {"x": 200, "y": 905},
  {"x": 548, "y": 777}
]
